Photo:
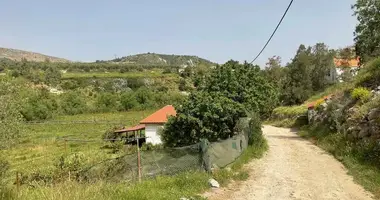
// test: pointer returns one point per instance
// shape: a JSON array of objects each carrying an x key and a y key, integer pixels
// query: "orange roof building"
[
  {"x": 152, "y": 124},
  {"x": 155, "y": 122},
  {"x": 348, "y": 63},
  {"x": 160, "y": 116}
]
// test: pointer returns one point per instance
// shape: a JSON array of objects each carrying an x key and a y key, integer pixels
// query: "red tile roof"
[
  {"x": 160, "y": 116},
  {"x": 135, "y": 128},
  {"x": 344, "y": 62}
]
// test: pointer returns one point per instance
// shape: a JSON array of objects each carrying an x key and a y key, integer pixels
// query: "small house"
[
  {"x": 342, "y": 64},
  {"x": 155, "y": 122},
  {"x": 150, "y": 125}
]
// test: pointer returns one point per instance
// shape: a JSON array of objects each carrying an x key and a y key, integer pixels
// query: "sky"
[{"x": 218, "y": 30}]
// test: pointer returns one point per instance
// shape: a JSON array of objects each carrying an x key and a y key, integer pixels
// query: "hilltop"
[
  {"x": 17, "y": 55},
  {"x": 161, "y": 59}
]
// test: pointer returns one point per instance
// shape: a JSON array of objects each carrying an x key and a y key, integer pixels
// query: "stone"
[
  {"x": 184, "y": 198},
  {"x": 374, "y": 114},
  {"x": 364, "y": 132},
  {"x": 374, "y": 130},
  {"x": 213, "y": 183}
]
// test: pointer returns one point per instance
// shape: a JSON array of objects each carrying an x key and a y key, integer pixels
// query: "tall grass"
[{"x": 41, "y": 147}]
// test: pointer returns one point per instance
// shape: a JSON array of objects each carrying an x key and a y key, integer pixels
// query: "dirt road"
[{"x": 293, "y": 168}]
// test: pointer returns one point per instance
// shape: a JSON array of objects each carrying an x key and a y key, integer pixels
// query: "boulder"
[
  {"x": 353, "y": 131},
  {"x": 374, "y": 114},
  {"x": 364, "y": 131},
  {"x": 374, "y": 130},
  {"x": 213, "y": 183}
]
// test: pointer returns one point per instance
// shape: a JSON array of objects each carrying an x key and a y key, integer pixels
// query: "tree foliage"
[
  {"x": 203, "y": 115},
  {"x": 10, "y": 118},
  {"x": 367, "y": 31},
  {"x": 243, "y": 83},
  {"x": 52, "y": 76},
  {"x": 311, "y": 70},
  {"x": 213, "y": 110}
]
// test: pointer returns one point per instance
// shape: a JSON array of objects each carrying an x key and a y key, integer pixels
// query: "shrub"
[
  {"x": 361, "y": 93},
  {"x": 5, "y": 193},
  {"x": 107, "y": 102},
  {"x": 128, "y": 101},
  {"x": 318, "y": 103},
  {"x": 369, "y": 75},
  {"x": 39, "y": 106},
  {"x": 144, "y": 97},
  {"x": 73, "y": 103}
]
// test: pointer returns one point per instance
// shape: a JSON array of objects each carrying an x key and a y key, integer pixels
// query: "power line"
[{"x": 278, "y": 25}]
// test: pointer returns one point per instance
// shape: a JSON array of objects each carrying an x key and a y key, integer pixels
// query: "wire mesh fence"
[{"x": 134, "y": 162}]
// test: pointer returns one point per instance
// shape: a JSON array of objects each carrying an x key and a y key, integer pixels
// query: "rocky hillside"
[
  {"x": 15, "y": 54},
  {"x": 162, "y": 59},
  {"x": 354, "y": 112}
]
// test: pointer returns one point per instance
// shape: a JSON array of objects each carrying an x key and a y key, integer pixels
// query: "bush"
[
  {"x": 144, "y": 97},
  {"x": 361, "y": 93},
  {"x": 369, "y": 75},
  {"x": 39, "y": 106},
  {"x": 128, "y": 101},
  {"x": 5, "y": 193},
  {"x": 73, "y": 103},
  {"x": 107, "y": 102}
]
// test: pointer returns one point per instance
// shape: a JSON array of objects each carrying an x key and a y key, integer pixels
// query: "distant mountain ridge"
[
  {"x": 18, "y": 55},
  {"x": 138, "y": 59},
  {"x": 162, "y": 59}
]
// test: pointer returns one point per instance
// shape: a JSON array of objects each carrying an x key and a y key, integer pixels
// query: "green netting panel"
[
  {"x": 223, "y": 153},
  {"x": 170, "y": 161}
]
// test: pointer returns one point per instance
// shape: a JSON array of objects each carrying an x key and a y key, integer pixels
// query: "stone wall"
[{"x": 357, "y": 120}]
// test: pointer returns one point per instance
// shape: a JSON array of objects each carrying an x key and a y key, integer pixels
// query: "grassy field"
[
  {"x": 41, "y": 147},
  {"x": 151, "y": 74}
]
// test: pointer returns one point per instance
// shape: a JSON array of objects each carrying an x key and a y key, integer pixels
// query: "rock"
[
  {"x": 374, "y": 130},
  {"x": 184, "y": 198},
  {"x": 213, "y": 183},
  {"x": 353, "y": 131},
  {"x": 374, "y": 114},
  {"x": 364, "y": 132}
]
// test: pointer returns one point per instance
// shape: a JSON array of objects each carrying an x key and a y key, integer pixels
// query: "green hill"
[
  {"x": 17, "y": 55},
  {"x": 162, "y": 59}
]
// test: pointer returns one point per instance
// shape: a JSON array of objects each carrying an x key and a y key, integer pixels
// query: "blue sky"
[{"x": 85, "y": 30}]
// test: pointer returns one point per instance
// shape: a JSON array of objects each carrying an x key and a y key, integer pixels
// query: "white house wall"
[{"x": 151, "y": 133}]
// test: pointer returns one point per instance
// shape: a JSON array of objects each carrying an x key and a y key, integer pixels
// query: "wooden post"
[
  {"x": 17, "y": 182},
  {"x": 65, "y": 146},
  {"x": 138, "y": 158}
]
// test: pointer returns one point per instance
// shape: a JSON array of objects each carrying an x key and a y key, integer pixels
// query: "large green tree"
[
  {"x": 367, "y": 32},
  {"x": 274, "y": 72},
  {"x": 245, "y": 84},
  {"x": 229, "y": 92},
  {"x": 299, "y": 85},
  {"x": 203, "y": 115},
  {"x": 322, "y": 66}
]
